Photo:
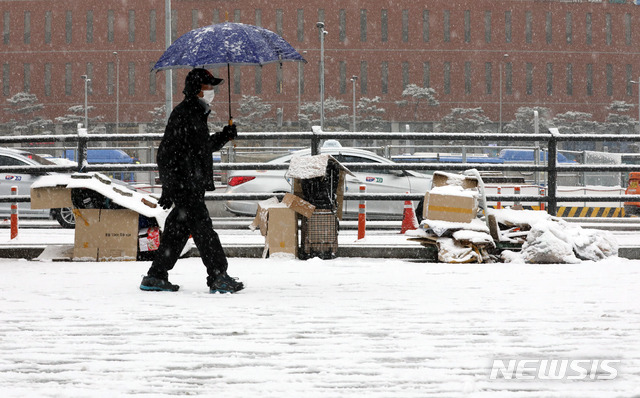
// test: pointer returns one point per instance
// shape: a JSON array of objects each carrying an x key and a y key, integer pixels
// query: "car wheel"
[{"x": 65, "y": 217}]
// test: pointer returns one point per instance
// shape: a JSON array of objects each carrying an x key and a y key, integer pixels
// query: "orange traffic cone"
[{"x": 409, "y": 220}]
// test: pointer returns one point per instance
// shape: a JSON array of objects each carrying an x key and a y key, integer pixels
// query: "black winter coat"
[{"x": 184, "y": 157}]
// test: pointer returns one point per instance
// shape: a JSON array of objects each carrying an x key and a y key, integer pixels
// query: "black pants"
[{"x": 189, "y": 217}]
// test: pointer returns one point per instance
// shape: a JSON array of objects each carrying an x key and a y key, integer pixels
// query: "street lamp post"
[
  {"x": 353, "y": 80},
  {"x": 300, "y": 87},
  {"x": 86, "y": 111},
  {"x": 500, "y": 66},
  {"x": 117, "y": 91},
  {"x": 320, "y": 26}
]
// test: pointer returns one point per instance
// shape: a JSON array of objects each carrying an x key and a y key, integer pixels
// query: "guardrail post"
[
  {"x": 362, "y": 217},
  {"x": 552, "y": 178},
  {"x": 315, "y": 140},
  {"x": 83, "y": 139}
]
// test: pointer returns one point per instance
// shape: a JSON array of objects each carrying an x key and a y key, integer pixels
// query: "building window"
[
  {"x": 447, "y": 77},
  {"x": 527, "y": 26},
  {"x": 467, "y": 26},
  {"x": 27, "y": 78},
  {"x": 152, "y": 26},
  {"x": 47, "y": 80},
  {"x": 215, "y": 17},
  {"x": 589, "y": 79},
  {"x": 508, "y": 71},
  {"x": 467, "y": 77},
  {"x": 343, "y": 25},
  {"x": 426, "y": 74},
  {"x": 446, "y": 26},
  {"x": 548, "y": 28},
  {"x": 405, "y": 75},
  {"x": 343, "y": 77},
  {"x": 279, "y": 18},
  {"x": 300, "y": 25},
  {"x": 279, "y": 78},
  {"x": 6, "y": 75},
  {"x": 488, "y": 77},
  {"x": 569, "y": 27},
  {"x": 384, "y": 74},
  {"x": 507, "y": 26},
  {"x": 68, "y": 79},
  {"x": 195, "y": 19},
  {"x": 258, "y": 82},
  {"x": 5, "y": 27},
  {"x": 629, "y": 78},
  {"x": 549, "y": 78},
  {"x": 174, "y": 25},
  {"x": 627, "y": 28},
  {"x": 111, "y": 78},
  {"x": 301, "y": 78},
  {"x": 69, "y": 26},
  {"x": 237, "y": 80},
  {"x": 47, "y": 27},
  {"x": 608, "y": 28},
  {"x": 363, "y": 77},
  {"x": 384, "y": 25},
  {"x": 132, "y": 26},
  {"x": 110, "y": 23},
  {"x": 363, "y": 25},
  {"x": 588, "y": 28},
  {"x": 405, "y": 26},
  {"x": 132, "y": 78},
  {"x": 27, "y": 27},
  {"x": 153, "y": 80},
  {"x": 609, "y": 72},
  {"x": 529, "y": 78},
  {"x": 90, "y": 77},
  {"x": 487, "y": 26},
  {"x": 569, "y": 79},
  {"x": 425, "y": 25},
  {"x": 89, "y": 26}
]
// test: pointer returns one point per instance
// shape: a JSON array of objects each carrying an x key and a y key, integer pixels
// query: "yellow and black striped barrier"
[{"x": 574, "y": 211}]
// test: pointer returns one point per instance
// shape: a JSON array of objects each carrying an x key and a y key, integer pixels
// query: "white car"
[
  {"x": 18, "y": 157},
  {"x": 376, "y": 181}
]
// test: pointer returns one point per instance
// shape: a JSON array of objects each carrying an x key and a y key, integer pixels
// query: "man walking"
[{"x": 185, "y": 165}]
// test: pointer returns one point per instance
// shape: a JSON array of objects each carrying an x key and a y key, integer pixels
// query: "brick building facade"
[{"x": 564, "y": 55}]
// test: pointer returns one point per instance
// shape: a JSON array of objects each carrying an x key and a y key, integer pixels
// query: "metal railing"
[{"x": 550, "y": 140}]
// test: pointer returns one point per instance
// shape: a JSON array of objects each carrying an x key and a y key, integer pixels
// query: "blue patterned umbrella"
[{"x": 227, "y": 44}]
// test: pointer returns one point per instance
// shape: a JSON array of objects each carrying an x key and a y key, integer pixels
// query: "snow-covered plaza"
[{"x": 349, "y": 327}]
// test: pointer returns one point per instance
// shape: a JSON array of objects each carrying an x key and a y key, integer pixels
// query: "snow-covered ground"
[{"x": 339, "y": 328}]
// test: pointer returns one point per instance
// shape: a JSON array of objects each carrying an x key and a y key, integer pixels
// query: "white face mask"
[{"x": 208, "y": 96}]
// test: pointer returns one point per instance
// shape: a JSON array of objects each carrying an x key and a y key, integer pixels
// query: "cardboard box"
[
  {"x": 50, "y": 197},
  {"x": 448, "y": 207},
  {"x": 452, "y": 198},
  {"x": 106, "y": 235},
  {"x": 282, "y": 235}
]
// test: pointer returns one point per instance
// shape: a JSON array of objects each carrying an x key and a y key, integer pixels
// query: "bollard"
[
  {"x": 542, "y": 203},
  {"x": 362, "y": 214},
  {"x": 516, "y": 191},
  {"x": 14, "y": 214},
  {"x": 499, "y": 205}
]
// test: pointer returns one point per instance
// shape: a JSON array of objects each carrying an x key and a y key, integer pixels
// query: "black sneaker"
[
  {"x": 225, "y": 284},
  {"x": 153, "y": 284}
]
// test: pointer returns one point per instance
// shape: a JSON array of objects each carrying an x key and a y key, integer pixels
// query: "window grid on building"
[
  {"x": 132, "y": 78},
  {"x": 111, "y": 78},
  {"x": 6, "y": 76},
  {"x": 68, "y": 27},
  {"x": 527, "y": 26},
  {"x": 90, "y": 26},
  {"x": 132, "y": 26},
  {"x": 507, "y": 26},
  {"x": 279, "y": 21},
  {"x": 446, "y": 27},
  {"x": 300, "y": 25},
  {"x": 627, "y": 29},
  {"x": 343, "y": 25},
  {"x": 425, "y": 26},
  {"x": 195, "y": 19},
  {"x": 426, "y": 74},
  {"x": 90, "y": 77},
  {"x": 629, "y": 71},
  {"x": 26, "y": 85},
  {"x": 467, "y": 26},
  {"x": 487, "y": 26},
  {"x": 549, "y": 78},
  {"x": 27, "y": 27},
  {"x": 110, "y": 25},
  {"x": 405, "y": 26},
  {"x": 47, "y": 27},
  {"x": 363, "y": 25},
  {"x": 608, "y": 28},
  {"x": 68, "y": 83},
  {"x": 384, "y": 26},
  {"x": 6, "y": 27},
  {"x": 508, "y": 72},
  {"x": 569, "y": 27},
  {"x": 47, "y": 80},
  {"x": 258, "y": 80},
  {"x": 548, "y": 27},
  {"x": 488, "y": 77},
  {"x": 589, "y": 29},
  {"x": 569, "y": 79}
]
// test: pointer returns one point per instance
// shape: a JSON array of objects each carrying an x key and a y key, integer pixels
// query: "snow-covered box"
[
  {"x": 453, "y": 197},
  {"x": 110, "y": 217}
]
